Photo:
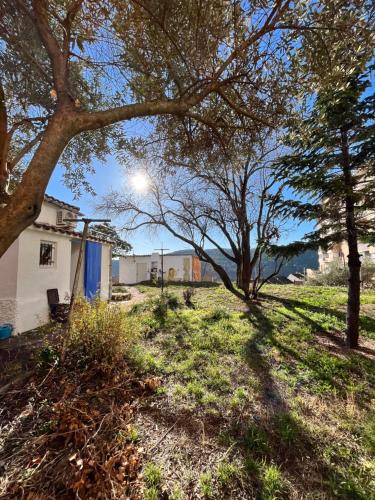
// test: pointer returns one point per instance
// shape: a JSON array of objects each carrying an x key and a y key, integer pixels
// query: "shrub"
[
  {"x": 338, "y": 276},
  {"x": 188, "y": 295},
  {"x": 99, "y": 334}
]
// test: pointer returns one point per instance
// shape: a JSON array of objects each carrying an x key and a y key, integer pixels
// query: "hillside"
[{"x": 308, "y": 259}]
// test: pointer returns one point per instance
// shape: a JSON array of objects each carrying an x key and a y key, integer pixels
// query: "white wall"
[
  {"x": 33, "y": 281},
  {"x": 106, "y": 272},
  {"x": 8, "y": 284},
  {"x": 49, "y": 211},
  {"x": 128, "y": 266}
]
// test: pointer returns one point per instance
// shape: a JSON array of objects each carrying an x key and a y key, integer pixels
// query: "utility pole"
[
  {"x": 79, "y": 261},
  {"x": 162, "y": 250}
]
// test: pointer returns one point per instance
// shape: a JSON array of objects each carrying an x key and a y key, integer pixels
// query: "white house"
[
  {"x": 137, "y": 268},
  {"x": 44, "y": 257}
]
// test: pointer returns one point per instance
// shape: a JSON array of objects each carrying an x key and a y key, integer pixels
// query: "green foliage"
[
  {"x": 100, "y": 334},
  {"x": 273, "y": 484},
  {"x": 48, "y": 356},
  {"x": 369, "y": 433},
  {"x": 206, "y": 485},
  {"x": 337, "y": 275},
  {"x": 119, "y": 246},
  {"x": 226, "y": 472},
  {"x": 287, "y": 429},
  {"x": 152, "y": 474},
  {"x": 255, "y": 440}
]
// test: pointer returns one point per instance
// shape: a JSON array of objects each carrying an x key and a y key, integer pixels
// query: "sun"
[{"x": 139, "y": 182}]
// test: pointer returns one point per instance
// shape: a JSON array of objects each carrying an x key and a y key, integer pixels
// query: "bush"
[
  {"x": 99, "y": 334},
  {"x": 338, "y": 276},
  {"x": 188, "y": 295}
]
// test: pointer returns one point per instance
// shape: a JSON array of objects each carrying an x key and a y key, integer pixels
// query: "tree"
[
  {"x": 76, "y": 67},
  {"x": 332, "y": 166},
  {"x": 120, "y": 246},
  {"x": 230, "y": 204}
]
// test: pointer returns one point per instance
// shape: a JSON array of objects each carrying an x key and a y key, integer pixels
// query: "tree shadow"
[{"x": 366, "y": 322}]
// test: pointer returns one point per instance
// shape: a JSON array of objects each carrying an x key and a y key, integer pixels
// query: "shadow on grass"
[{"x": 366, "y": 322}]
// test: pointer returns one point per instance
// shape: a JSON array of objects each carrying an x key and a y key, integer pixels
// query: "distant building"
[
  {"x": 138, "y": 268},
  {"x": 296, "y": 278},
  {"x": 44, "y": 257},
  {"x": 338, "y": 254}
]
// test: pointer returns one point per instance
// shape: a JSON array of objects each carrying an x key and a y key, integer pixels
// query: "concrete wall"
[
  {"x": 182, "y": 270},
  {"x": 106, "y": 272},
  {"x": 128, "y": 268},
  {"x": 8, "y": 284},
  {"x": 48, "y": 214},
  {"x": 33, "y": 281}
]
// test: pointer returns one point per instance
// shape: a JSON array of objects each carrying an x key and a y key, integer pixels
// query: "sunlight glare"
[{"x": 139, "y": 182}]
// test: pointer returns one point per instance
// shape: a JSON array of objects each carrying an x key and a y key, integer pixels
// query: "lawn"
[
  {"x": 261, "y": 403},
  {"x": 154, "y": 399}
]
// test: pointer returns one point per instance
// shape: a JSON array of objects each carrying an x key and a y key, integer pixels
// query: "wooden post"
[{"x": 78, "y": 271}]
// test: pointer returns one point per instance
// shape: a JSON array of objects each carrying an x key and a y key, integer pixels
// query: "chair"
[{"x": 58, "y": 310}]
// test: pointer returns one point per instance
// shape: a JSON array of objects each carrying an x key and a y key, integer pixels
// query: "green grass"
[{"x": 296, "y": 407}]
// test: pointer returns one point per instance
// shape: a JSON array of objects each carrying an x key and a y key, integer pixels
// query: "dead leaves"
[{"x": 151, "y": 383}]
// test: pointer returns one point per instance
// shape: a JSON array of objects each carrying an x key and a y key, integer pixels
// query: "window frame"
[{"x": 52, "y": 265}]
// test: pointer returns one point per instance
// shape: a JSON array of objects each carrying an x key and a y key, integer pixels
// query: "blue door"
[{"x": 93, "y": 265}]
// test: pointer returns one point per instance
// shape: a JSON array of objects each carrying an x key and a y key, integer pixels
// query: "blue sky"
[{"x": 110, "y": 176}]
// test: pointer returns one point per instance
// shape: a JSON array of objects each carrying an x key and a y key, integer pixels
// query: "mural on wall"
[
  {"x": 186, "y": 269},
  {"x": 172, "y": 273}
]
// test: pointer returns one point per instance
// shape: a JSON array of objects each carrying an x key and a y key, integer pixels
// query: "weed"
[
  {"x": 217, "y": 314},
  {"x": 151, "y": 493},
  {"x": 152, "y": 475},
  {"x": 369, "y": 433},
  {"x": 206, "y": 486},
  {"x": 188, "y": 295},
  {"x": 272, "y": 483},
  {"x": 286, "y": 427},
  {"x": 226, "y": 472},
  {"x": 255, "y": 440},
  {"x": 48, "y": 356},
  {"x": 99, "y": 334}
]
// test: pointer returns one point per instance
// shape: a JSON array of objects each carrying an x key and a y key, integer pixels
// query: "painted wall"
[
  {"x": 8, "y": 284},
  {"x": 176, "y": 267},
  {"x": 33, "y": 280}
]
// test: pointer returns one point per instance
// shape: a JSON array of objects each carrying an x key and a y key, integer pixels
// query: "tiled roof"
[
  {"x": 65, "y": 230},
  {"x": 61, "y": 204}
]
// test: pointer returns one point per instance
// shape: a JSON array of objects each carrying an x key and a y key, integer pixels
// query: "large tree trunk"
[
  {"x": 354, "y": 261},
  {"x": 25, "y": 203}
]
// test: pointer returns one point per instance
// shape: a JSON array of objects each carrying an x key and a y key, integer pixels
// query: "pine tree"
[{"x": 331, "y": 168}]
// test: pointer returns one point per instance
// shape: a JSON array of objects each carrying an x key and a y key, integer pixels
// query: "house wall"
[
  {"x": 339, "y": 254},
  {"x": 33, "y": 281},
  {"x": 48, "y": 214},
  {"x": 128, "y": 268},
  {"x": 106, "y": 272},
  {"x": 185, "y": 268},
  {"x": 8, "y": 284}
]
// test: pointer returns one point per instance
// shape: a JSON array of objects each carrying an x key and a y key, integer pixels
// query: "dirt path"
[{"x": 137, "y": 297}]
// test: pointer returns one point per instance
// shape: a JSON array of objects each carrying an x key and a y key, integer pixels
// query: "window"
[{"x": 47, "y": 254}]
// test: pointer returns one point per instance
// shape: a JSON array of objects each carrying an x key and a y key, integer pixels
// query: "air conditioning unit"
[{"x": 61, "y": 215}]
